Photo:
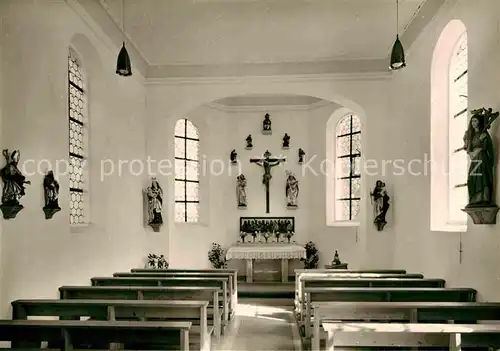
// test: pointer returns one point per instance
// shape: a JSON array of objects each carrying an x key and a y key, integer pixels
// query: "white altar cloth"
[{"x": 266, "y": 252}]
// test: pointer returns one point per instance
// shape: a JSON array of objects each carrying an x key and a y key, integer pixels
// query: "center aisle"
[{"x": 259, "y": 326}]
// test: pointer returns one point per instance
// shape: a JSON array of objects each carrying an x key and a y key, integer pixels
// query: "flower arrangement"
[
  {"x": 157, "y": 261},
  {"x": 312, "y": 258},
  {"x": 217, "y": 256}
]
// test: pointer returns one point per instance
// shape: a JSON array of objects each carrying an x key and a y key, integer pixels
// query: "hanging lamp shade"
[
  {"x": 397, "y": 55},
  {"x": 123, "y": 66}
]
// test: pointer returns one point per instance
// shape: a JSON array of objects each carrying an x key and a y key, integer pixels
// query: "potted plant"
[
  {"x": 157, "y": 261},
  {"x": 312, "y": 258},
  {"x": 217, "y": 256}
]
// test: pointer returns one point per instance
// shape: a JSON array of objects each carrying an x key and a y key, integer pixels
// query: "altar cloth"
[{"x": 265, "y": 252}]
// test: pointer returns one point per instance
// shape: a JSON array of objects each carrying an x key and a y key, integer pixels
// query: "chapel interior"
[{"x": 249, "y": 174}]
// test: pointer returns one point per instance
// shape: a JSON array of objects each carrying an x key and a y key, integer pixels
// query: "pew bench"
[
  {"x": 219, "y": 282},
  {"x": 160, "y": 273},
  {"x": 214, "y": 312},
  {"x": 301, "y": 273},
  {"x": 70, "y": 334},
  {"x": 232, "y": 272},
  {"x": 413, "y": 312},
  {"x": 171, "y": 310},
  {"x": 362, "y": 282},
  {"x": 381, "y": 295},
  {"x": 411, "y": 335}
]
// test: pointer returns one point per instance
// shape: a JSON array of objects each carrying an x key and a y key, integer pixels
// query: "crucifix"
[{"x": 267, "y": 163}]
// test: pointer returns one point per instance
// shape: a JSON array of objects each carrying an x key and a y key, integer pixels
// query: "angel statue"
[
  {"x": 380, "y": 201},
  {"x": 479, "y": 147},
  {"x": 155, "y": 203},
  {"x": 13, "y": 181},
  {"x": 292, "y": 189},
  {"x": 241, "y": 193}
]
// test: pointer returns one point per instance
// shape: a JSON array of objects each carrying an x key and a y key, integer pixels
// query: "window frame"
[
  {"x": 185, "y": 180},
  {"x": 83, "y": 191},
  {"x": 352, "y": 156}
]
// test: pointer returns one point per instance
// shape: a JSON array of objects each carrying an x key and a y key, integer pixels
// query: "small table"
[{"x": 271, "y": 251}]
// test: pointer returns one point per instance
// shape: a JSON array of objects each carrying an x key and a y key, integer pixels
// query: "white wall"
[
  {"x": 416, "y": 247},
  {"x": 39, "y": 255}
]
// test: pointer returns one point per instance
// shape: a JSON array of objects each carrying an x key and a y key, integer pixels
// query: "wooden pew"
[
  {"x": 382, "y": 294},
  {"x": 175, "y": 310},
  {"x": 210, "y": 294},
  {"x": 231, "y": 274},
  {"x": 220, "y": 282},
  {"x": 322, "y": 277},
  {"x": 69, "y": 334},
  {"x": 454, "y": 336},
  {"x": 413, "y": 312}
]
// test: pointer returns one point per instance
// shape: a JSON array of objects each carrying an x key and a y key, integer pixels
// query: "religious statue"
[
  {"x": 266, "y": 124},
  {"x": 301, "y": 156},
  {"x": 241, "y": 193},
  {"x": 292, "y": 190},
  {"x": 286, "y": 141},
  {"x": 51, "y": 191},
  {"x": 233, "y": 156},
  {"x": 336, "y": 259},
  {"x": 380, "y": 201},
  {"x": 479, "y": 147},
  {"x": 249, "y": 142},
  {"x": 13, "y": 188},
  {"x": 155, "y": 205},
  {"x": 267, "y": 163}
]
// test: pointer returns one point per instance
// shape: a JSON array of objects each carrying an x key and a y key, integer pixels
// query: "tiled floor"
[{"x": 260, "y": 327}]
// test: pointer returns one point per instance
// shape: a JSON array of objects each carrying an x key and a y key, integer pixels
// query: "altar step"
[
  {"x": 267, "y": 290},
  {"x": 243, "y": 278}
]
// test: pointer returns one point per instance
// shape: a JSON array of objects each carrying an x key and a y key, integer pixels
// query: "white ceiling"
[{"x": 235, "y": 32}]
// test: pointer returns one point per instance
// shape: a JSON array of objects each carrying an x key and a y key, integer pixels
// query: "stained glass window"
[
  {"x": 187, "y": 187},
  {"x": 348, "y": 155},
  {"x": 458, "y": 124},
  {"x": 76, "y": 114}
]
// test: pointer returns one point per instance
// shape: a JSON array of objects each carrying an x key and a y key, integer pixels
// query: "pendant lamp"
[
  {"x": 123, "y": 66},
  {"x": 397, "y": 53}
]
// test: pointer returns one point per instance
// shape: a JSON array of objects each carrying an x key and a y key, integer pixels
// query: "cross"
[{"x": 267, "y": 163}]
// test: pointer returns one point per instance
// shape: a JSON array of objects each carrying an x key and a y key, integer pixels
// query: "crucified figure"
[{"x": 267, "y": 163}]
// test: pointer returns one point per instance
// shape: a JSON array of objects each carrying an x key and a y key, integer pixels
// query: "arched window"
[
  {"x": 449, "y": 119},
  {"x": 187, "y": 185},
  {"x": 77, "y": 114},
  {"x": 457, "y": 126},
  {"x": 348, "y": 170}
]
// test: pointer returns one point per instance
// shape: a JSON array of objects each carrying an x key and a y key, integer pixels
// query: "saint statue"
[
  {"x": 266, "y": 124},
  {"x": 479, "y": 147},
  {"x": 292, "y": 189},
  {"x": 51, "y": 190},
  {"x": 155, "y": 203},
  {"x": 380, "y": 201},
  {"x": 249, "y": 141},
  {"x": 13, "y": 179},
  {"x": 233, "y": 156},
  {"x": 286, "y": 141},
  {"x": 301, "y": 155},
  {"x": 241, "y": 193},
  {"x": 336, "y": 259}
]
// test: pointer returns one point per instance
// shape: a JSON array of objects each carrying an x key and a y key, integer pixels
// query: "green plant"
[
  {"x": 217, "y": 256},
  {"x": 157, "y": 261},
  {"x": 312, "y": 258}
]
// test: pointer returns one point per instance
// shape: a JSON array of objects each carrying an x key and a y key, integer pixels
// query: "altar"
[{"x": 251, "y": 252}]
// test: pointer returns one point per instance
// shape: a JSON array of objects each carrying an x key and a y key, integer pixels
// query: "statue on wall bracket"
[
  {"x": 13, "y": 185},
  {"x": 51, "y": 192},
  {"x": 233, "y": 157},
  {"x": 154, "y": 194},
  {"x": 266, "y": 125},
  {"x": 249, "y": 145},
  {"x": 291, "y": 190},
  {"x": 380, "y": 201},
  {"x": 481, "y": 176},
  {"x": 241, "y": 193}
]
